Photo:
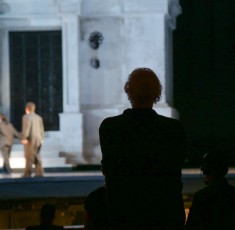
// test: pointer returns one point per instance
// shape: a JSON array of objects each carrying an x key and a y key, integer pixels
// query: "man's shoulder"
[
  {"x": 35, "y": 116},
  {"x": 32, "y": 117},
  {"x": 169, "y": 120},
  {"x": 99, "y": 192},
  {"x": 111, "y": 120},
  {"x": 169, "y": 123},
  {"x": 25, "y": 115},
  {"x": 210, "y": 190},
  {"x": 40, "y": 117},
  {"x": 201, "y": 192}
]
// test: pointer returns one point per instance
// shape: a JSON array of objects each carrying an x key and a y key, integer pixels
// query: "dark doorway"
[
  {"x": 204, "y": 75},
  {"x": 36, "y": 75}
]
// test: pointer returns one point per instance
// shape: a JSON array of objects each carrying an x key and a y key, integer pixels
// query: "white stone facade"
[{"x": 136, "y": 33}]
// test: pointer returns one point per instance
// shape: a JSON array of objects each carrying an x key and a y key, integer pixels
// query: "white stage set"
[{"x": 135, "y": 33}]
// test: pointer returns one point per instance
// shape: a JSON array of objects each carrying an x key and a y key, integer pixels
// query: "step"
[
  {"x": 19, "y": 162},
  {"x": 50, "y": 158}
]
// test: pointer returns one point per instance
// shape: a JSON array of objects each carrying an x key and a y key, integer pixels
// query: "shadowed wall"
[{"x": 204, "y": 74}]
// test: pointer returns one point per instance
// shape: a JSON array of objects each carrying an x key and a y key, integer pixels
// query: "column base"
[{"x": 71, "y": 129}]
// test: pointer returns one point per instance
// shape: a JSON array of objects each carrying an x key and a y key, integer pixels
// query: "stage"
[
  {"x": 72, "y": 183},
  {"x": 53, "y": 184}
]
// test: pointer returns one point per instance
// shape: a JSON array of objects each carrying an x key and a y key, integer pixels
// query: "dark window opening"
[{"x": 36, "y": 75}]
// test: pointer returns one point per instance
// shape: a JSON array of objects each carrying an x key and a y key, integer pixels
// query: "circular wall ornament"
[{"x": 96, "y": 38}]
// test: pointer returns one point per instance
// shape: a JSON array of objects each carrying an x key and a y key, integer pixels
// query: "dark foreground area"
[{"x": 22, "y": 198}]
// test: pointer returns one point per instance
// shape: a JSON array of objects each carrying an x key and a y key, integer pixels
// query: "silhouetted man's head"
[
  {"x": 143, "y": 87},
  {"x": 215, "y": 164},
  {"x": 47, "y": 214}
]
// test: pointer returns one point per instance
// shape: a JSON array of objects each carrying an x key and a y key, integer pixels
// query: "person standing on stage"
[
  {"x": 32, "y": 138},
  {"x": 7, "y": 134}
]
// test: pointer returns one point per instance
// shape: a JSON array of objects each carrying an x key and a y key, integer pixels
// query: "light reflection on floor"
[
  {"x": 53, "y": 174},
  {"x": 83, "y": 173}
]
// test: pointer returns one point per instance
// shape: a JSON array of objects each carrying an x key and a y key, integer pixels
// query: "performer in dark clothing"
[
  {"x": 213, "y": 207},
  {"x": 142, "y": 156}
]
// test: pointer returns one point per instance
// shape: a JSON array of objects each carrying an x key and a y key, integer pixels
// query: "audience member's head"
[
  {"x": 143, "y": 87},
  {"x": 47, "y": 214},
  {"x": 214, "y": 165}
]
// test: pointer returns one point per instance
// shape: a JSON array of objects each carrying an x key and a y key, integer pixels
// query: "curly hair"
[{"x": 143, "y": 85}]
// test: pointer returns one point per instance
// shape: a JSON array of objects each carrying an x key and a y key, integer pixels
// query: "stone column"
[
  {"x": 149, "y": 43},
  {"x": 4, "y": 61},
  {"x": 166, "y": 107},
  {"x": 71, "y": 120},
  {"x": 4, "y": 72}
]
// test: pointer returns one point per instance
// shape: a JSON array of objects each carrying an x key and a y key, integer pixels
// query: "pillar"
[{"x": 71, "y": 120}]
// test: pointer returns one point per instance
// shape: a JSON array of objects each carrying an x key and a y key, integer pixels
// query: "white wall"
[{"x": 136, "y": 33}]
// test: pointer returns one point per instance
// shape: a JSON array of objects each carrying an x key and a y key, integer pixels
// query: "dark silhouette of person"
[
  {"x": 142, "y": 156},
  {"x": 47, "y": 216},
  {"x": 95, "y": 210},
  {"x": 7, "y": 135},
  {"x": 213, "y": 207}
]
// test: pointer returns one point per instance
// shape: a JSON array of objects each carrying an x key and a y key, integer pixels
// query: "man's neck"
[{"x": 147, "y": 105}]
